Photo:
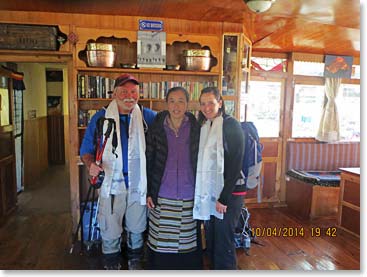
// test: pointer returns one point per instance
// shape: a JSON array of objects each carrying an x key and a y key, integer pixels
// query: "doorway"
[
  {"x": 45, "y": 180},
  {"x": 55, "y": 119}
]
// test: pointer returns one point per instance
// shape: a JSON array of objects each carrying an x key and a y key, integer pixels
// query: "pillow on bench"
[{"x": 319, "y": 178}]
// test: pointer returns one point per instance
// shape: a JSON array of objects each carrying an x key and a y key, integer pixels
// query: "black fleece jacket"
[
  {"x": 157, "y": 151},
  {"x": 234, "y": 148}
]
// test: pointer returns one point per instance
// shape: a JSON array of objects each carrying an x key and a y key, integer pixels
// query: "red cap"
[{"x": 124, "y": 78}]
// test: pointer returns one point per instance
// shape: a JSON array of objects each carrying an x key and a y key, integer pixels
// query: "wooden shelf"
[
  {"x": 146, "y": 71},
  {"x": 110, "y": 99},
  {"x": 95, "y": 99}
]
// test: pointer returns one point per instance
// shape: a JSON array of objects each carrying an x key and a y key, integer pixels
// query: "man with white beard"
[{"x": 124, "y": 186}]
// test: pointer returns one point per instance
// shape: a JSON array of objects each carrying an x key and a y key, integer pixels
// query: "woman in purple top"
[{"x": 172, "y": 150}]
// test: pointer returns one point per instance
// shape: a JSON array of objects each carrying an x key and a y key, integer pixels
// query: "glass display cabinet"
[{"x": 235, "y": 73}]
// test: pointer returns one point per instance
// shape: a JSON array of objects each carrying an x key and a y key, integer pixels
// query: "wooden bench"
[
  {"x": 311, "y": 200},
  {"x": 308, "y": 199}
]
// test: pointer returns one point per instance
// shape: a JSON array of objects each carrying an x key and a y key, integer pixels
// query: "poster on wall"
[
  {"x": 338, "y": 66},
  {"x": 151, "y": 49},
  {"x": 54, "y": 105}
]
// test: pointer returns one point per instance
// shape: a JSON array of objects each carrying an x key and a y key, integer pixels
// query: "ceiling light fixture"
[{"x": 259, "y": 6}]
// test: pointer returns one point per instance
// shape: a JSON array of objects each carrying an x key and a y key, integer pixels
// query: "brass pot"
[
  {"x": 101, "y": 58},
  {"x": 197, "y": 52},
  {"x": 197, "y": 63},
  {"x": 197, "y": 59},
  {"x": 100, "y": 46}
]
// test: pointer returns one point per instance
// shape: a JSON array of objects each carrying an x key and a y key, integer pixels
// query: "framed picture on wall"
[{"x": 338, "y": 66}]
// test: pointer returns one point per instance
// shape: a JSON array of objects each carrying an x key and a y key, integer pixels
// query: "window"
[
  {"x": 308, "y": 68},
  {"x": 264, "y": 107},
  {"x": 307, "y": 108},
  {"x": 269, "y": 64},
  {"x": 317, "y": 69},
  {"x": 356, "y": 72},
  {"x": 348, "y": 100}
]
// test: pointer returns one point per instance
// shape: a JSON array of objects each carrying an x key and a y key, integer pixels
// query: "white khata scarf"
[
  {"x": 114, "y": 182},
  {"x": 210, "y": 169}
]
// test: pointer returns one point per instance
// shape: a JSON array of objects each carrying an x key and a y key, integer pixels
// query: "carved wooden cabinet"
[
  {"x": 349, "y": 204},
  {"x": 8, "y": 190}
]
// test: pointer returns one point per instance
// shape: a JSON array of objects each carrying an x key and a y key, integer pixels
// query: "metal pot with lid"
[
  {"x": 101, "y": 54},
  {"x": 197, "y": 59}
]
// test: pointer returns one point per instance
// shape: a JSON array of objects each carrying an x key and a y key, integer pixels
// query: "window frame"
[
  {"x": 311, "y": 80},
  {"x": 282, "y": 81}
]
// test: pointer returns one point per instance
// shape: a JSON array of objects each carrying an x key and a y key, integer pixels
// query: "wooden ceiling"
[{"x": 309, "y": 26}]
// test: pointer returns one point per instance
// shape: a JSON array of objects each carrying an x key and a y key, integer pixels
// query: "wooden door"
[
  {"x": 56, "y": 147},
  {"x": 265, "y": 109},
  {"x": 8, "y": 189}
]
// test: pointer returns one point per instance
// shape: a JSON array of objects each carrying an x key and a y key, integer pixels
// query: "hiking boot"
[
  {"x": 135, "y": 257},
  {"x": 112, "y": 261},
  {"x": 112, "y": 266},
  {"x": 135, "y": 264}
]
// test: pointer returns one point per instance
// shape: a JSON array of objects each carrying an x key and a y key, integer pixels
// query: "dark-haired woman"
[
  {"x": 172, "y": 148},
  {"x": 219, "y": 193}
]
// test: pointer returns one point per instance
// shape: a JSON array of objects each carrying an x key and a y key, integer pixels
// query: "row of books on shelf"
[
  {"x": 94, "y": 86},
  {"x": 102, "y": 87},
  {"x": 158, "y": 90},
  {"x": 86, "y": 115}
]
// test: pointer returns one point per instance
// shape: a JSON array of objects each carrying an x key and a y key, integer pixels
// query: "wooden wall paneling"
[
  {"x": 30, "y": 17},
  {"x": 31, "y": 152},
  {"x": 268, "y": 187},
  {"x": 56, "y": 149},
  {"x": 66, "y": 139},
  {"x": 43, "y": 144},
  {"x": 35, "y": 149},
  {"x": 270, "y": 147}
]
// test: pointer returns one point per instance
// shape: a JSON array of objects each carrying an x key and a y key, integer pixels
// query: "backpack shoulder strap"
[{"x": 145, "y": 124}]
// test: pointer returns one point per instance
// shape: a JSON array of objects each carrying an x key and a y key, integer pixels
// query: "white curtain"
[{"x": 329, "y": 123}]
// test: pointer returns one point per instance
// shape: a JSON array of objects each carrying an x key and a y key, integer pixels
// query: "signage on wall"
[
  {"x": 150, "y": 25},
  {"x": 151, "y": 49}
]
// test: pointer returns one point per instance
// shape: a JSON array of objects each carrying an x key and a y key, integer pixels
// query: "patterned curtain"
[{"x": 329, "y": 123}]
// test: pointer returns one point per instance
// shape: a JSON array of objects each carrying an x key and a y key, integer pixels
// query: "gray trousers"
[{"x": 111, "y": 223}]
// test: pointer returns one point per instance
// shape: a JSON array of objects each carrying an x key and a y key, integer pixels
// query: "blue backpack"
[{"x": 252, "y": 160}]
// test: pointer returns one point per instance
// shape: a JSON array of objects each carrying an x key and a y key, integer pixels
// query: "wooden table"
[{"x": 349, "y": 202}]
